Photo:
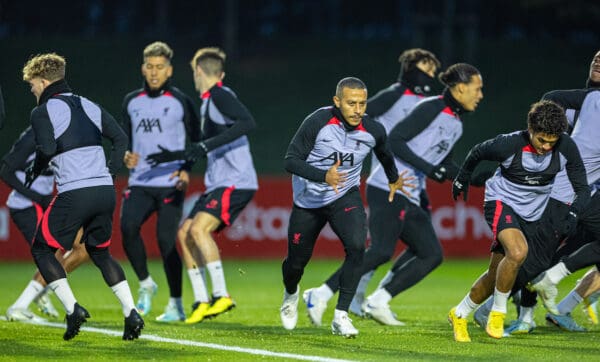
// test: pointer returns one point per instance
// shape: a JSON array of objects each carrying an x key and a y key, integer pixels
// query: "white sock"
[
  {"x": 364, "y": 282},
  {"x": 386, "y": 279},
  {"x": 526, "y": 314},
  {"x": 28, "y": 295},
  {"x": 217, "y": 278},
  {"x": 380, "y": 297},
  {"x": 324, "y": 292},
  {"x": 198, "y": 285},
  {"x": 124, "y": 296},
  {"x": 569, "y": 302},
  {"x": 64, "y": 293},
  {"x": 465, "y": 307},
  {"x": 500, "y": 301},
  {"x": 147, "y": 283},
  {"x": 557, "y": 273}
]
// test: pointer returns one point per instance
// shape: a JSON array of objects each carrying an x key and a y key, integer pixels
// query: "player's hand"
[
  {"x": 439, "y": 173},
  {"x": 400, "y": 184},
  {"x": 131, "y": 159},
  {"x": 196, "y": 151},
  {"x": 184, "y": 179},
  {"x": 334, "y": 178},
  {"x": 460, "y": 185},
  {"x": 164, "y": 156}
]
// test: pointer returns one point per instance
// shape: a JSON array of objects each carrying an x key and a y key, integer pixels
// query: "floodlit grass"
[{"x": 256, "y": 286}]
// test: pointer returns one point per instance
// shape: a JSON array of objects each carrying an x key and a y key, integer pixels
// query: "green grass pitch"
[{"x": 254, "y": 324}]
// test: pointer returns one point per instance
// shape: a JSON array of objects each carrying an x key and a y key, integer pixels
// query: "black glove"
[
  {"x": 439, "y": 173},
  {"x": 460, "y": 185},
  {"x": 196, "y": 151},
  {"x": 30, "y": 175},
  {"x": 569, "y": 224},
  {"x": 164, "y": 156}
]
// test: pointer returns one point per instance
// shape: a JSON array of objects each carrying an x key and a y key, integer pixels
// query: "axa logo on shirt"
[
  {"x": 147, "y": 125},
  {"x": 342, "y": 157}
]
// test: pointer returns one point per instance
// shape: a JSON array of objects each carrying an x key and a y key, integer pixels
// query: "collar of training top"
[
  {"x": 452, "y": 102},
  {"x": 347, "y": 126},
  {"x": 417, "y": 81},
  {"x": 153, "y": 93},
  {"x": 60, "y": 86}
]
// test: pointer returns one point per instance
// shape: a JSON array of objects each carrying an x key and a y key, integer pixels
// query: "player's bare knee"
[
  {"x": 199, "y": 230},
  {"x": 517, "y": 254}
]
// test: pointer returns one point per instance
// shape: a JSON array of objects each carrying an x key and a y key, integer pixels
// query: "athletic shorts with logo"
[
  {"x": 27, "y": 220},
  {"x": 90, "y": 207},
  {"x": 224, "y": 203},
  {"x": 500, "y": 216}
]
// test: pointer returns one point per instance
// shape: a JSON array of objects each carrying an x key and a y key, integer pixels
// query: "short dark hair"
[
  {"x": 458, "y": 73},
  {"x": 210, "y": 59},
  {"x": 349, "y": 82},
  {"x": 409, "y": 58},
  {"x": 547, "y": 117}
]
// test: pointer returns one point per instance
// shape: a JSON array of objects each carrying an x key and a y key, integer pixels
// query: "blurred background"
[
  {"x": 285, "y": 57},
  {"x": 284, "y": 60}
]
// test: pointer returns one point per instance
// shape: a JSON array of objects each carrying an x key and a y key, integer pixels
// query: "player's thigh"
[
  {"x": 590, "y": 218},
  {"x": 304, "y": 227},
  {"x": 418, "y": 233},
  {"x": 27, "y": 220},
  {"x": 386, "y": 219},
  {"x": 136, "y": 207},
  {"x": 169, "y": 211},
  {"x": 347, "y": 218},
  {"x": 97, "y": 229},
  {"x": 65, "y": 216},
  {"x": 506, "y": 230}
]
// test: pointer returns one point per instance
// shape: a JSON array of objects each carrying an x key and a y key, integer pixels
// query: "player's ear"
[{"x": 337, "y": 101}]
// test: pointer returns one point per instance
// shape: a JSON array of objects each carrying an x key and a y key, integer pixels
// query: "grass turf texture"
[{"x": 256, "y": 287}]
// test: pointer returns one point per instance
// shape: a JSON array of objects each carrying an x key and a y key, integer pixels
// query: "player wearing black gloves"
[{"x": 515, "y": 198}]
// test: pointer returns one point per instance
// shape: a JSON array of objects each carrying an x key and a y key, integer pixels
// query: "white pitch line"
[{"x": 151, "y": 337}]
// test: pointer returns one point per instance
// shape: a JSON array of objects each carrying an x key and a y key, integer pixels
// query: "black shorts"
[
  {"x": 90, "y": 207},
  {"x": 588, "y": 227},
  {"x": 500, "y": 216},
  {"x": 589, "y": 218},
  {"x": 139, "y": 202},
  {"x": 224, "y": 203},
  {"x": 543, "y": 239},
  {"x": 27, "y": 220}
]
